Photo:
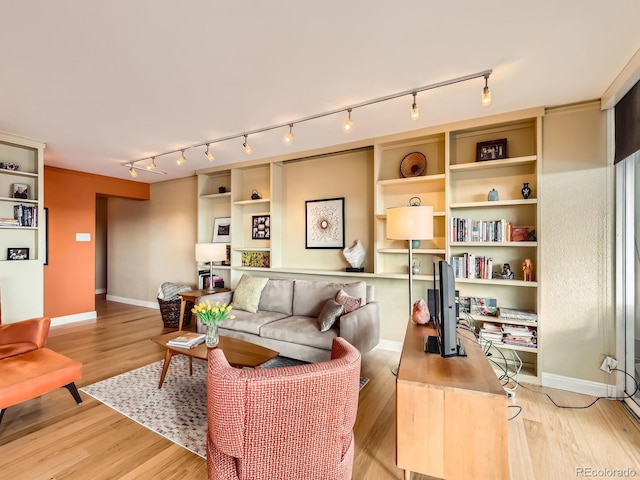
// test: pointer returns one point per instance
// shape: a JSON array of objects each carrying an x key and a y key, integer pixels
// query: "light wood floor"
[{"x": 51, "y": 437}]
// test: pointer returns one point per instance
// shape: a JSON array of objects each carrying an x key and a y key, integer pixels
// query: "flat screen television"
[{"x": 445, "y": 316}]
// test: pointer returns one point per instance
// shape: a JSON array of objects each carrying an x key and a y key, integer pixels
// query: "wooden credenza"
[{"x": 451, "y": 413}]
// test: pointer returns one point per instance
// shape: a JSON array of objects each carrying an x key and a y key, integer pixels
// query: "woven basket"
[{"x": 170, "y": 311}]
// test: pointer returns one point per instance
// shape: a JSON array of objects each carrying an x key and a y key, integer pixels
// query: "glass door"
[{"x": 628, "y": 270}]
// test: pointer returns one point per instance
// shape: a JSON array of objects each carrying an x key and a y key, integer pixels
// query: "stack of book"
[
  {"x": 508, "y": 314},
  {"x": 491, "y": 333},
  {"x": 9, "y": 222},
  {"x": 471, "y": 266},
  {"x": 187, "y": 340},
  {"x": 519, "y": 335}
]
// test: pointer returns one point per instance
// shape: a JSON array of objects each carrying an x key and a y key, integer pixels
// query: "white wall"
[{"x": 577, "y": 225}]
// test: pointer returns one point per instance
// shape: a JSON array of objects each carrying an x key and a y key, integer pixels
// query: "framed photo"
[
  {"x": 222, "y": 230},
  {"x": 261, "y": 227},
  {"x": 17, "y": 254},
  {"x": 20, "y": 190},
  {"x": 491, "y": 150},
  {"x": 324, "y": 221}
]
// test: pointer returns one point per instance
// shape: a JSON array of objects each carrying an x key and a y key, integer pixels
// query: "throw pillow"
[
  {"x": 350, "y": 303},
  {"x": 246, "y": 296},
  {"x": 329, "y": 314}
]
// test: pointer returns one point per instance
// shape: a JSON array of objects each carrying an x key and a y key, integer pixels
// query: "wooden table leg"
[
  {"x": 165, "y": 366},
  {"x": 183, "y": 303}
]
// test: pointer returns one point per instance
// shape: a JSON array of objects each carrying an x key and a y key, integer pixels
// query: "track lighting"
[
  {"x": 486, "y": 93},
  {"x": 348, "y": 125},
  {"x": 247, "y": 147},
  {"x": 288, "y": 139},
  {"x": 132, "y": 172},
  {"x": 209, "y": 155},
  {"x": 415, "y": 111}
]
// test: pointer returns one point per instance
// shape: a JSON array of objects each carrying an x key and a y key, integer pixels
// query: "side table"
[{"x": 192, "y": 296}]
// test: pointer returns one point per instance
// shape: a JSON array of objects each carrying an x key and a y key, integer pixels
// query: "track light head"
[
  {"x": 415, "y": 111},
  {"x": 486, "y": 93},
  {"x": 209, "y": 155},
  {"x": 288, "y": 139},
  {"x": 182, "y": 158},
  {"x": 132, "y": 172},
  {"x": 348, "y": 125},
  {"x": 152, "y": 165},
  {"x": 247, "y": 147}
]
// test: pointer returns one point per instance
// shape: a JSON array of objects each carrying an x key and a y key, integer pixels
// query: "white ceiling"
[{"x": 103, "y": 83}]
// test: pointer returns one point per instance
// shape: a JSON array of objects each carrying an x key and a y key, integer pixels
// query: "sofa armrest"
[
  {"x": 222, "y": 297},
  {"x": 361, "y": 328}
]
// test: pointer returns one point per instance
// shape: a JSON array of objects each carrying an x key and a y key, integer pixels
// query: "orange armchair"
[
  {"x": 28, "y": 368},
  {"x": 291, "y": 422}
]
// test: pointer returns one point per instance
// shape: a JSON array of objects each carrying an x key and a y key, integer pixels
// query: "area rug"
[{"x": 177, "y": 411}]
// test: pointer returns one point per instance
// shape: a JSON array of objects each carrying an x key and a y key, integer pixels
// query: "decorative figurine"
[
  {"x": 416, "y": 266},
  {"x": 420, "y": 314},
  {"x": 222, "y": 189},
  {"x": 506, "y": 274},
  {"x": 355, "y": 256},
  {"x": 255, "y": 195},
  {"x": 493, "y": 195},
  {"x": 527, "y": 270},
  {"x": 526, "y": 191}
]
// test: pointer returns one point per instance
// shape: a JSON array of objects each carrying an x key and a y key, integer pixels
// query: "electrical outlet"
[{"x": 608, "y": 364}]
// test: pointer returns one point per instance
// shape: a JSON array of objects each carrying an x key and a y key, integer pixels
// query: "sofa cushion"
[
  {"x": 309, "y": 297},
  {"x": 329, "y": 314},
  {"x": 246, "y": 295},
  {"x": 250, "y": 322},
  {"x": 17, "y": 348},
  {"x": 277, "y": 296},
  {"x": 348, "y": 302},
  {"x": 300, "y": 330}
]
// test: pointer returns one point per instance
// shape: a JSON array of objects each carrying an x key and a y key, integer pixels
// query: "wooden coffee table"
[{"x": 237, "y": 352}]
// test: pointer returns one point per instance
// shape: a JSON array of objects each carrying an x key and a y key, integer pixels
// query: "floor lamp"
[
  {"x": 411, "y": 222},
  {"x": 209, "y": 253}
]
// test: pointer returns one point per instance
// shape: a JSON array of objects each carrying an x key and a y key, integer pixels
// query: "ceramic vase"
[
  {"x": 493, "y": 195},
  {"x": 212, "y": 336},
  {"x": 526, "y": 191}
]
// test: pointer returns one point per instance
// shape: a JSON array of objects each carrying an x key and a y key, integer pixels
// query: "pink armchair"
[{"x": 291, "y": 422}]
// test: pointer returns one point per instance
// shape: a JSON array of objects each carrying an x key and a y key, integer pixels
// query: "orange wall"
[{"x": 69, "y": 277}]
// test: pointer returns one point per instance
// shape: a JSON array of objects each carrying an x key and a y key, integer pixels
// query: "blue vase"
[{"x": 493, "y": 195}]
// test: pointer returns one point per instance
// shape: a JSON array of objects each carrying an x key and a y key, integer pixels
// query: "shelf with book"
[{"x": 514, "y": 215}]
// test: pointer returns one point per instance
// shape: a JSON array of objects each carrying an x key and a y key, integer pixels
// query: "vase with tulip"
[{"x": 211, "y": 315}]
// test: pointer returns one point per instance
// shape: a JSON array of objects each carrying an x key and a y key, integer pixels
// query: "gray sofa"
[{"x": 287, "y": 318}]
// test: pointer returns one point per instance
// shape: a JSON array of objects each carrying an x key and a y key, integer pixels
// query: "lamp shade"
[
  {"x": 413, "y": 222},
  {"x": 211, "y": 252}
]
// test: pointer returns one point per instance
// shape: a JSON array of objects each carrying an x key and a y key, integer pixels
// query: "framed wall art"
[
  {"x": 222, "y": 230},
  {"x": 324, "y": 221},
  {"x": 261, "y": 227},
  {"x": 491, "y": 150},
  {"x": 17, "y": 253}
]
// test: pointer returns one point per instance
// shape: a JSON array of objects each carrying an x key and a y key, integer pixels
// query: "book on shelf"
[
  {"x": 515, "y": 314},
  {"x": 469, "y": 230},
  {"x": 472, "y": 266},
  {"x": 479, "y": 306},
  {"x": 187, "y": 340},
  {"x": 519, "y": 335}
]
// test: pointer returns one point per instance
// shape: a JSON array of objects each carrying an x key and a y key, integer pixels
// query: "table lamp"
[
  {"x": 411, "y": 222},
  {"x": 209, "y": 253}
]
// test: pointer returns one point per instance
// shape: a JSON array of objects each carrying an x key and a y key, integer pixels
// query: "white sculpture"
[{"x": 355, "y": 254}]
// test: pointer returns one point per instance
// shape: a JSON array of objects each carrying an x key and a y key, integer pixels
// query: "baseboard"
[
  {"x": 576, "y": 385},
  {"x": 76, "y": 317},
  {"x": 390, "y": 345},
  {"x": 133, "y": 301},
  {"x": 100, "y": 291}
]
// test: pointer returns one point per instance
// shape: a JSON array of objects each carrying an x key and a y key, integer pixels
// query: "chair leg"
[
  {"x": 74, "y": 392},
  {"x": 2, "y": 414}
]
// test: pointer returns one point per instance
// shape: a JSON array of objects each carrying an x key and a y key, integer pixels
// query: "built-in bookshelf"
[{"x": 453, "y": 182}]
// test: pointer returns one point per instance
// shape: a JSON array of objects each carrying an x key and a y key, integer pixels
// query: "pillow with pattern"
[
  {"x": 350, "y": 303},
  {"x": 247, "y": 294}
]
